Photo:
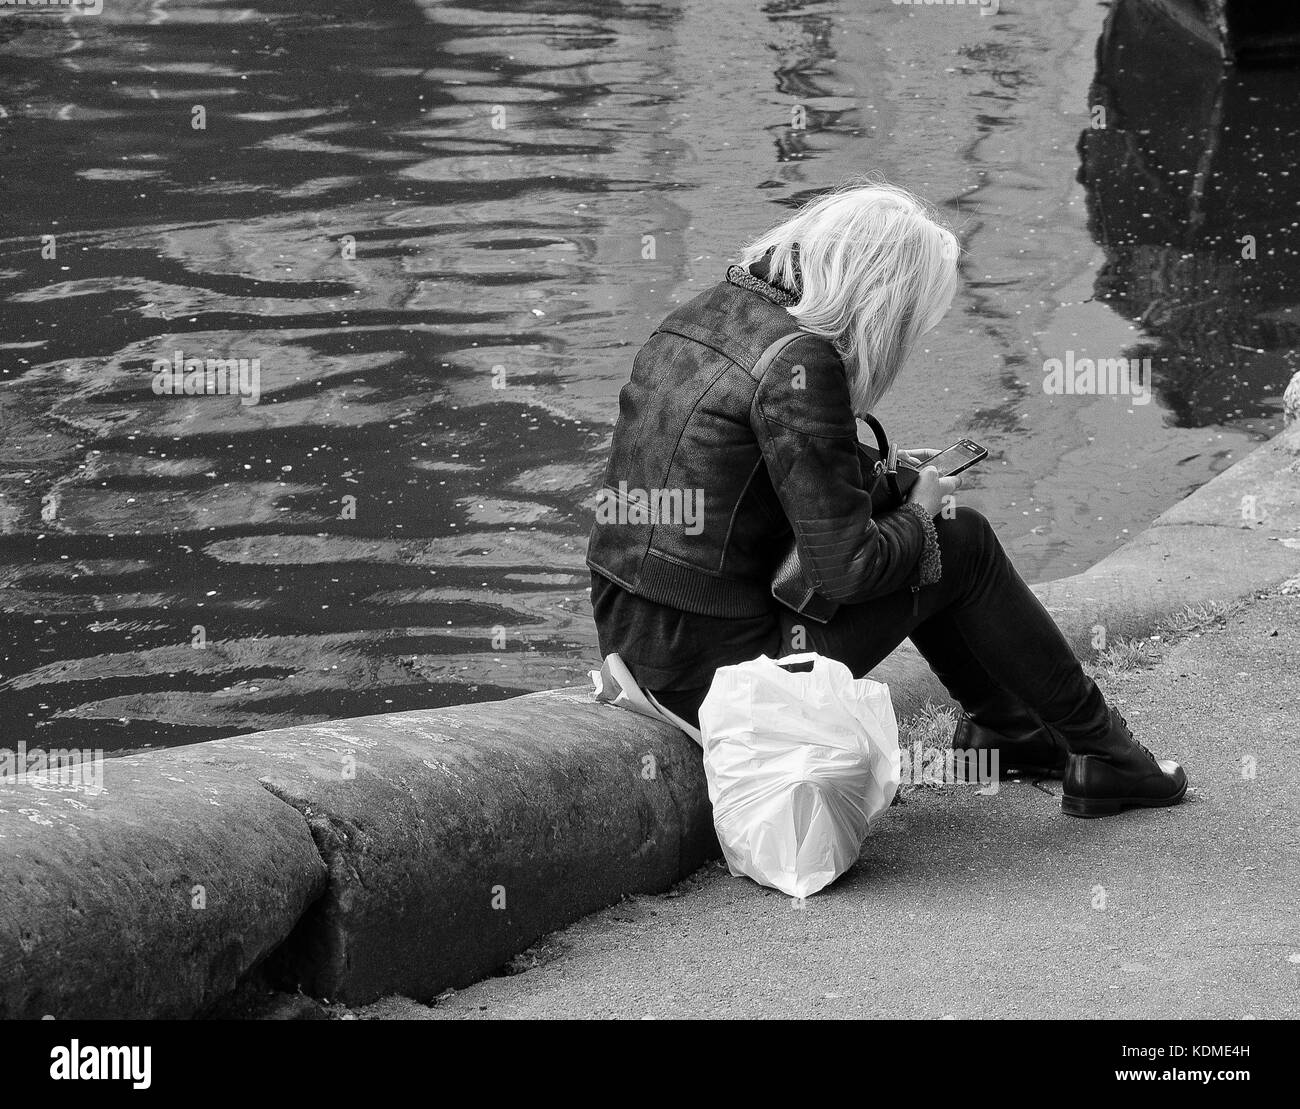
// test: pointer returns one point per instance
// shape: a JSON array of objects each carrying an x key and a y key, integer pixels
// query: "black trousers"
[{"x": 981, "y": 629}]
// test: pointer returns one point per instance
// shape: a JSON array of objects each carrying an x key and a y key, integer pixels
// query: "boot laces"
[{"x": 1136, "y": 742}]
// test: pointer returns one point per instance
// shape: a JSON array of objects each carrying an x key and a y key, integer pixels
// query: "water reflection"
[
  {"x": 349, "y": 214},
  {"x": 1194, "y": 191}
]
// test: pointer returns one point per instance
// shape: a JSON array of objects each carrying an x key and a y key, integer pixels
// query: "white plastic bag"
[
  {"x": 614, "y": 685},
  {"x": 798, "y": 765}
]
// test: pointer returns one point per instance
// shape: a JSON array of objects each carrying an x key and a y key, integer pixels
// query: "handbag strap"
[
  {"x": 882, "y": 440},
  {"x": 769, "y": 355},
  {"x": 887, "y": 466}
]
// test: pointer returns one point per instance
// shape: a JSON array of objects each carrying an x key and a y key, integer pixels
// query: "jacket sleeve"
[{"x": 803, "y": 418}]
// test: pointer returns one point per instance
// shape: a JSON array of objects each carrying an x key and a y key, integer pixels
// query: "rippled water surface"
[{"x": 443, "y": 229}]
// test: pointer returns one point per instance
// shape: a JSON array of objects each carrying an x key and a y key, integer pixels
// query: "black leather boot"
[
  {"x": 1115, "y": 772},
  {"x": 1025, "y": 745}
]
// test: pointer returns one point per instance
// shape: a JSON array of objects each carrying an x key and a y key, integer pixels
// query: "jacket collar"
[{"x": 756, "y": 278}]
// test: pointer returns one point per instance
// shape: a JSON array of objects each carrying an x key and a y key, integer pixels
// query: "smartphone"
[{"x": 960, "y": 456}]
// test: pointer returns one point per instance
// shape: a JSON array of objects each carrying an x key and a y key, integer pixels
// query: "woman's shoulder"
[
  {"x": 743, "y": 324},
  {"x": 806, "y": 387},
  {"x": 810, "y": 345},
  {"x": 815, "y": 354}
]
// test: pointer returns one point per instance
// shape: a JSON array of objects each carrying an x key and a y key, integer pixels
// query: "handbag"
[{"x": 882, "y": 477}]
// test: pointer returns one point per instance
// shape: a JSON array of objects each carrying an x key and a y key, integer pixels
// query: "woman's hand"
[
  {"x": 917, "y": 457},
  {"x": 930, "y": 489}
]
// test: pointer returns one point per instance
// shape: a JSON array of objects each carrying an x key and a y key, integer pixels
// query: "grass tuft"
[
  {"x": 1125, "y": 655},
  {"x": 1195, "y": 619},
  {"x": 931, "y": 729}
]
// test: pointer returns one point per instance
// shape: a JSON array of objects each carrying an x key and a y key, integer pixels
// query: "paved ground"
[{"x": 978, "y": 906}]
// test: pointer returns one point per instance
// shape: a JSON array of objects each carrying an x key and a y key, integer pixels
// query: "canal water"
[{"x": 443, "y": 229}]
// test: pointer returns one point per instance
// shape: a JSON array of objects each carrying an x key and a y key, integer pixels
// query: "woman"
[{"x": 714, "y": 462}]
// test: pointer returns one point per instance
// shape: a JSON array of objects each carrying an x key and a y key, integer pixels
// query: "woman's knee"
[{"x": 965, "y": 529}]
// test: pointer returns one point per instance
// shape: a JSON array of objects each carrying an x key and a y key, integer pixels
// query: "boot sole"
[
  {"x": 1109, "y": 806},
  {"x": 1019, "y": 770},
  {"x": 1057, "y": 772}
]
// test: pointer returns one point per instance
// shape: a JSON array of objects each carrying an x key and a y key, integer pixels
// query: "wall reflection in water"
[{"x": 1193, "y": 190}]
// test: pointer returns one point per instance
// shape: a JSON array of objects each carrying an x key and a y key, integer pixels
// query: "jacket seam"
[
  {"x": 665, "y": 557},
  {"x": 735, "y": 512},
  {"x": 800, "y": 431},
  {"x": 706, "y": 345},
  {"x": 604, "y": 573}
]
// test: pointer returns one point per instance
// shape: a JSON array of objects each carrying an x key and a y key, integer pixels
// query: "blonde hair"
[{"x": 874, "y": 270}]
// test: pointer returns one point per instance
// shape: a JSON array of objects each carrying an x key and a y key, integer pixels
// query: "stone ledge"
[
  {"x": 465, "y": 834},
  {"x": 98, "y": 917}
]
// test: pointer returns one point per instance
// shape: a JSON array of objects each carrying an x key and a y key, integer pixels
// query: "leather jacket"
[{"x": 710, "y": 469}]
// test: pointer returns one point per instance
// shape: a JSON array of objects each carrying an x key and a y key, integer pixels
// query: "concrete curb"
[
  {"x": 413, "y": 851},
  {"x": 149, "y": 898},
  {"x": 456, "y": 837}
]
